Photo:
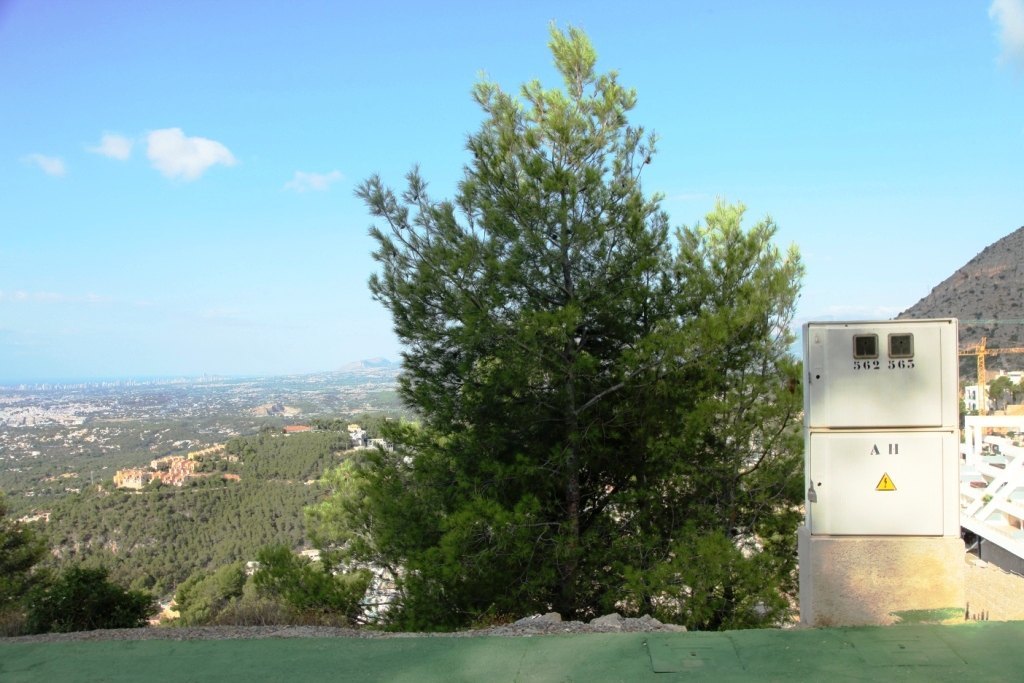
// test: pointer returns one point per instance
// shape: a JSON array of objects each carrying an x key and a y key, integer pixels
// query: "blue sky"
[{"x": 176, "y": 178}]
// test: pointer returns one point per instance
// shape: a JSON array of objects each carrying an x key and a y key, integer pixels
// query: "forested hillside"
[{"x": 157, "y": 537}]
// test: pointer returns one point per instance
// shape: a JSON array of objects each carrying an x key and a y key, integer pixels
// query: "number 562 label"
[{"x": 902, "y": 364}]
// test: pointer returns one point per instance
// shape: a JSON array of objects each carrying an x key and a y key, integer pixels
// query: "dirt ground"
[{"x": 992, "y": 592}]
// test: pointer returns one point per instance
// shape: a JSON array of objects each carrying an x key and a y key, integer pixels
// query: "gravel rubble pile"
[{"x": 537, "y": 625}]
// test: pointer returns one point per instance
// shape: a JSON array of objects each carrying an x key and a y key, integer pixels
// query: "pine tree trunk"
[{"x": 571, "y": 524}]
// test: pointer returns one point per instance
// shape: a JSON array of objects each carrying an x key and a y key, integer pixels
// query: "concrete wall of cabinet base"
[{"x": 879, "y": 580}]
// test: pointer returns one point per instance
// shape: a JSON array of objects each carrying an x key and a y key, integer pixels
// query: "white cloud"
[
  {"x": 178, "y": 156},
  {"x": 51, "y": 165},
  {"x": 304, "y": 182},
  {"x": 114, "y": 146},
  {"x": 1009, "y": 17}
]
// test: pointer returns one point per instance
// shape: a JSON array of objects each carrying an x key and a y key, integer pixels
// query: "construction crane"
[{"x": 982, "y": 350}]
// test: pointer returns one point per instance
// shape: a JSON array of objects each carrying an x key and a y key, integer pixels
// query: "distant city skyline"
[{"x": 178, "y": 178}]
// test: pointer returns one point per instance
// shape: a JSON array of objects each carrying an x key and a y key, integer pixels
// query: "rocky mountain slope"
[{"x": 987, "y": 295}]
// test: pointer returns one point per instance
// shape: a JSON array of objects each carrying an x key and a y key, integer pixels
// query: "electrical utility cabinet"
[{"x": 881, "y": 428}]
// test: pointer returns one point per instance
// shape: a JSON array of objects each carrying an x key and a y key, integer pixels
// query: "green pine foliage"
[
  {"x": 607, "y": 410},
  {"x": 21, "y": 550}
]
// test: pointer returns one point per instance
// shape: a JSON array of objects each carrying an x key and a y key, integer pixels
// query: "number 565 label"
[{"x": 902, "y": 364}]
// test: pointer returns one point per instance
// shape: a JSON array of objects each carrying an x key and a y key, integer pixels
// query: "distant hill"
[
  {"x": 369, "y": 364},
  {"x": 988, "y": 288}
]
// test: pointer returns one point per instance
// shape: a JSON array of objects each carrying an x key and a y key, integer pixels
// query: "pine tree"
[{"x": 579, "y": 376}]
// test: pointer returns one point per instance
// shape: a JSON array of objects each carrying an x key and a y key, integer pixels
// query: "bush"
[
  {"x": 202, "y": 597},
  {"x": 81, "y": 599},
  {"x": 310, "y": 588},
  {"x": 12, "y": 622},
  {"x": 256, "y": 609},
  {"x": 711, "y": 583},
  {"x": 253, "y": 609}
]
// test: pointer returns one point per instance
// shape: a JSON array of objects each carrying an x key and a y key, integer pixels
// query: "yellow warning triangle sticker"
[{"x": 885, "y": 484}]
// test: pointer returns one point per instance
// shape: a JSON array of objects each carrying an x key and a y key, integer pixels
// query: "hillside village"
[{"x": 177, "y": 470}]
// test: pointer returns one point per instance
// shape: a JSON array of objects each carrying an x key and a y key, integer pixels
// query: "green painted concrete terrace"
[{"x": 978, "y": 651}]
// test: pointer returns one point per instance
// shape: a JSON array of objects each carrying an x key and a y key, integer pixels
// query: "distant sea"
[{"x": 38, "y": 383}]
